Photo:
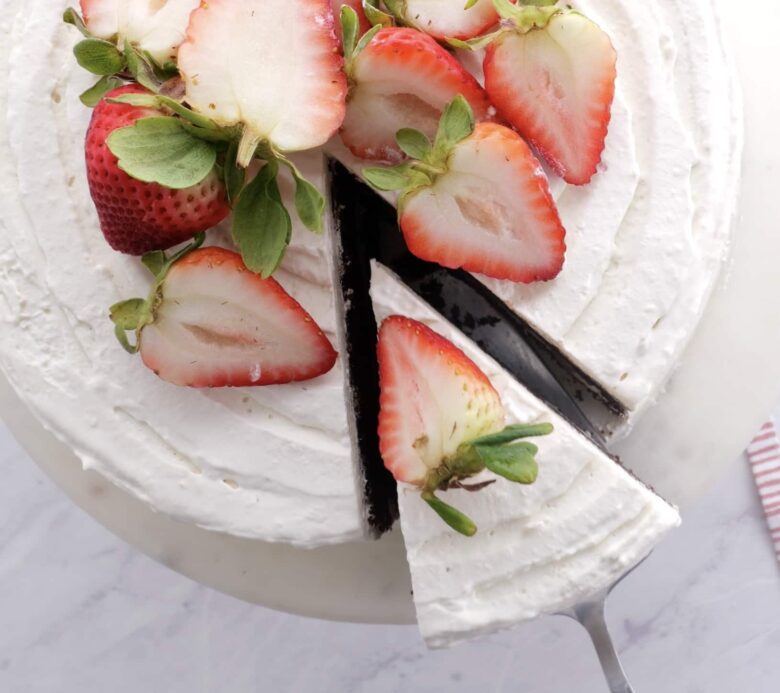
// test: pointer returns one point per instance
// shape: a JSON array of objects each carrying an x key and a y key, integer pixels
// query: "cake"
[
  {"x": 298, "y": 462},
  {"x": 539, "y": 549}
]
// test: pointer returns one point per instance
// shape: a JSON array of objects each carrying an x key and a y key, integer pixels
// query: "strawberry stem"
[
  {"x": 453, "y": 517},
  {"x": 247, "y": 147}
]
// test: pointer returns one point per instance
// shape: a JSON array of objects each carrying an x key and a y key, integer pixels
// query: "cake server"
[{"x": 367, "y": 229}]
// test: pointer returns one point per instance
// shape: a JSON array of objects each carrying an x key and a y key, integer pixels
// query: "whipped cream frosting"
[
  {"x": 273, "y": 463},
  {"x": 646, "y": 239},
  {"x": 539, "y": 549},
  {"x": 648, "y": 236}
]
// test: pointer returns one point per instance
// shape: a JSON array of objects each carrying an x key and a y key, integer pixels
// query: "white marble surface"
[{"x": 80, "y": 611}]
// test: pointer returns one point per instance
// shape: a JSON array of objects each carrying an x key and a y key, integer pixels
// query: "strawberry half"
[
  {"x": 445, "y": 19},
  {"x": 210, "y": 322},
  {"x": 441, "y": 421},
  {"x": 552, "y": 77},
  {"x": 476, "y": 199},
  {"x": 137, "y": 217},
  {"x": 402, "y": 78},
  {"x": 156, "y": 27},
  {"x": 269, "y": 67}
]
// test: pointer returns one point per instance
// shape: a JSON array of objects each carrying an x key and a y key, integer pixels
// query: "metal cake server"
[
  {"x": 591, "y": 615},
  {"x": 367, "y": 229}
]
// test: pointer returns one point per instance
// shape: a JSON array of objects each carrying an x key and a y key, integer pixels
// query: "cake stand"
[{"x": 728, "y": 380}]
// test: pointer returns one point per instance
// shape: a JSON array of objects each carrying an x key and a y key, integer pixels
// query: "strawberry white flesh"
[
  {"x": 556, "y": 86},
  {"x": 491, "y": 212},
  {"x": 403, "y": 79},
  {"x": 448, "y": 18},
  {"x": 271, "y": 66},
  {"x": 154, "y": 26},
  {"x": 433, "y": 398},
  {"x": 219, "y": 324}
]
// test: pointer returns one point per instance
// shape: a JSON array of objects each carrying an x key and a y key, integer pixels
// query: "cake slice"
[{"x": 539, "y": 549}]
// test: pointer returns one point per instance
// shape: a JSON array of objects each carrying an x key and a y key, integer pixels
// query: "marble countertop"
[{"x": 80, "y": 611}]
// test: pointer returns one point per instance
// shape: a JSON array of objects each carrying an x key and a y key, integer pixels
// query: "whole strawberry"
[{"x": 137, "y": 217}]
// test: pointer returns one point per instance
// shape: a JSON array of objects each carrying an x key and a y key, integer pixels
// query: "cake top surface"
[{"x": 201, "y": 458}]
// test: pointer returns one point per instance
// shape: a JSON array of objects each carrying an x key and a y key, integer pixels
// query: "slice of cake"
[{"x": 538, "y": 549}]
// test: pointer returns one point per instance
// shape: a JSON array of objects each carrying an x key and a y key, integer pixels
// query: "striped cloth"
[{"x": 764, "y": 457}]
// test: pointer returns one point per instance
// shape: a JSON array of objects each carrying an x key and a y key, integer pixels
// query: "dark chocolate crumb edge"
[{"x": 353, "y": 261}]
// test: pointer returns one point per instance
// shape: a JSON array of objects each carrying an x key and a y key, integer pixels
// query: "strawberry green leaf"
[
  {"x": 261, "y": 225},
  {"x": 128, "y": 314},
  {"x": 160, "y": 150},
  {"x": 309, "y": 202},
  {"x": 98, "y": 56},
  {"x": 155, "y": 262},
  {"x": 453, "y": 517},
  {"x": 471, "y": 4},
  {"x": 514, "y": 432},
  {"x": 375, "y": 15},
  {"x": 140, "y": 68},
  {"x": 457, "y": 123},
  {"x": 478, "y": 42},
  {"x": 163, "y": 72},
  {"x": 397, "y": 8},
  {"x": 234, "y": 175},
  {"x": 413, "y": 143},
  {"x": 367, "y": 37},
  {"x": 392, "y": 178},
  {"x": 121, "y": 335},
  {"x": 513, "y": 462},
  {"x": 349, "y": 30},
  {"x": 70, "y": 16},
  {"x": 528, "y": 14},
  {"x": 159, "y": 101},
  {"x": 92, "y": 96}
]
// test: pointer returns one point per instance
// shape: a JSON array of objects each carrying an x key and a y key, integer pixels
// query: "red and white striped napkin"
[{"x": 764, "y": 457}]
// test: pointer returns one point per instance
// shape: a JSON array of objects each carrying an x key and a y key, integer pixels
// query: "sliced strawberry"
[
  {"x": 156, "y": 27},
  {"x": 444, "y": 19},
  {"x": 135, "y": 216},
  {"x": 491, "y": 212},
  {"x": 210, "y": 322},
  {"x": 402, "y": 79},
  {"x": 433, "y": 398},
  {"x": 555, "y": 85},
  {"x": 363, "y": 24},
  {"x": 269, "y": 66}
]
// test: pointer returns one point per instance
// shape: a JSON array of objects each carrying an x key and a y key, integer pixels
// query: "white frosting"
[
  {"x": 647, "y": 237},
  {"x": 540, "y": 548},
  {"x": 273, "y": 463}
]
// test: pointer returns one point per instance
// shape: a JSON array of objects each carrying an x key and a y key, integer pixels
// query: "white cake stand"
[{"x": 728, "y": 381}]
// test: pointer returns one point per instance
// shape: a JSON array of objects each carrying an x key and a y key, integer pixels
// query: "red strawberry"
[
  {"x": 441, "y": 420},
  {"x": 402, "y": 79},
  {"x": 555, "y": 85},
  {"x": 363, "y": 24},
  {"x": 475, "y": 198},
  {"x": 446, "y": 18},
  {"x": 433, "y": 398},
  {"x": 491, "y": 212},
  {"x": 270, "y": 67},
  {"x": 137, "y": 217},
  {"x": 210, "y": 322}
]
